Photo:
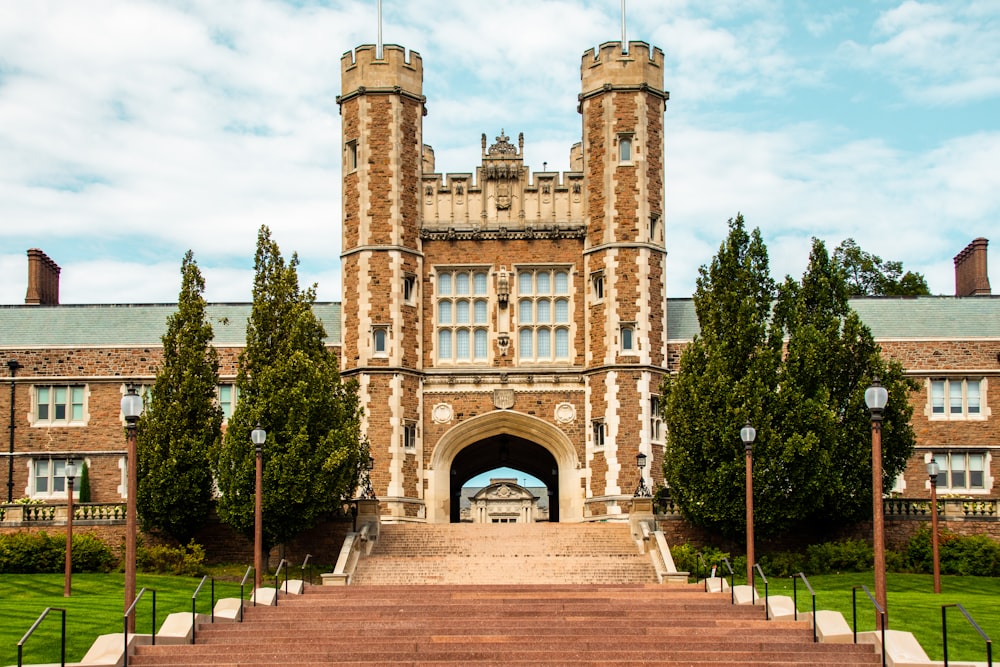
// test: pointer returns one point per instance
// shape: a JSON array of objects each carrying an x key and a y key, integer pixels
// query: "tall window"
[
  {"x": 409, "y": 289},
  {"x": 58, "y": 404},
  {"x": 625, "y": 148},
  {"x": 961, "y": 471},
  {"x": 352, "y": 155},
  {"x": 655, "y": 420},
  {"x": 227, "y": 399},
  {"x": 543, "y": 314},
  {"x": 48, "y": 478},
  {"x": 597, "y": 429},
  {"x": 380, "y": 340},
  {"x": 628, "y": 338},
  {"x": 462, "y": 302},
  {"x": 410, "y": 436},
  {"x": 956, "y": 398},
  {"x": 597, "y": 282}
]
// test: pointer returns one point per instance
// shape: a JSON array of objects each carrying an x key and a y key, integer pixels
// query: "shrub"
[
  {"x": 32, "y": 553},
  {"x": 834, "y": 557},
  {"x": 160, "y": 559},
  {"x": 686, "y": 559},
  {"x": 782, "y": 563},
  {"x": 90, "y": 554}
]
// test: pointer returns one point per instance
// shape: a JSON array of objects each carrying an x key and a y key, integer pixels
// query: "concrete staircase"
[
  {"x": 527, "y": 553},
  {"x": 607, "y": 625}
]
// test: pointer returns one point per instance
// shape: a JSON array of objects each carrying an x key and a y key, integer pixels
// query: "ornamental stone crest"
[
  {"x": 503, "y": 399},
  {"x": 442, "y": 413},
  {"x": 565, "y": 413}
]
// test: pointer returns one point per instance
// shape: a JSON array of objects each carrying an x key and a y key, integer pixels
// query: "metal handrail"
[
  {"x": 130, "y": 611},
  {"x": 767, "y": 614},
  {"x": 194, "y": 599},
  {"x": 878, "y": 609},
  {"x": 243, "y": 584},
  {"x": 795, "y": 600},
  {"x": 732, "y": 581},
  {"x": 304, "y": 564},
  {"x": 62, "y": 641},
  {"x": 944, "y": 632},
  {"x": 697, "y": 573},
  {"x": 277, "y": 574}
]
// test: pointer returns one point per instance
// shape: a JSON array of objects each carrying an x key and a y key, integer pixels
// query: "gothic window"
[
  {"x": 352, "y": 155},
  {"x": 597, "y": 431},
  {"x": 655, "y": 420},
  {"x": 597, "y": 285},
  {"x": 543, "y": 311},
  {"x": 627, "y": 332},
  {"x": 462, "y": 303},
  {"x": 380, "y": 340},
  {"x": 410, "y": 436},
  {"x": 409, "y": 289},
  {"x": 625, "y": 148}
]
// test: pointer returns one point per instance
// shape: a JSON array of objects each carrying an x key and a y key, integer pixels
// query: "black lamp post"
[
  {"x": 748, "y": 434},
  {"x": 933, "y": 470},
  {"x": 13, "y": 365},
  {"x": 70, "y": 472},
  {"x": 131, "y": 409},
  {"x": 876, "y": 398},
  {"x": 641, "y": 491},
  {"x": 258, "y": 436}
]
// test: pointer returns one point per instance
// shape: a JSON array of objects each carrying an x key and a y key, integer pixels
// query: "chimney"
[
  {"x": 43, "y": 280},
  {"x": 971, "y": 278}
]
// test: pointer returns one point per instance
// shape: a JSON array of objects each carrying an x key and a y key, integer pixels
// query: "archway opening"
[{"x": 504, "y": 451}]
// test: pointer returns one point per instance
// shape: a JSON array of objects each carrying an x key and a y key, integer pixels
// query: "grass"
[{"x": 96, "y": 608}]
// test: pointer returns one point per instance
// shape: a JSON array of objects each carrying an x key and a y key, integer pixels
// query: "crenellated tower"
[
  {"x": 622, "y": 104},
  {"x": 382, "y": 109}
]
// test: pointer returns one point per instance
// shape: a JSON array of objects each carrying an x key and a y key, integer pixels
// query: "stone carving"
[
  {"x": 503, "y": 399},
  {"x": 442, "y": 413},
  {"x": 565, "y": 413}
]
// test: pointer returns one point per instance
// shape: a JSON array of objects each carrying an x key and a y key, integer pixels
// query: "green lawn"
[{"x": 96, "y": 608}]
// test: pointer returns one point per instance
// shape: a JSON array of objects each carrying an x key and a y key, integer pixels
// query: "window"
[
  {"x": 655, "y": 420},
  {"x": 352, "y": 155},
  {"x": 380, "y": 340},
  {"x": 227, "y": 399},
  {"x": 543, "y": 314},
  {"x": 625, "y": 148},
  {"x": 48, "y": 478},
  {"x": 597, "y": 426},
  {"x": 462, "y": 303},
  {"x": 409, "y": 289},
  {"x": 961, "y": 471},
  {"x": 597, "y": 281},
  {"x": 410, "y": 436},
  {"x": 628, "y": 337},
  {"x": 655, "y": 228},
  {"x": 956, "y": 398},
  {"x": 59, "y": 404}
]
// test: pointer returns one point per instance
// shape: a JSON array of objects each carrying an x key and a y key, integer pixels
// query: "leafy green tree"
[
  {"x": 288, "y": 383},
  {"x": 797, "y": 372},
  {"x": 182, "y": 421},
  {"x": 867, "y": 275}
]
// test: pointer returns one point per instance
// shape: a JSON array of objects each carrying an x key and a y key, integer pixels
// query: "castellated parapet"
[
  {"x": 608, "y": 66},
  {"x": 361, "y": 68}
]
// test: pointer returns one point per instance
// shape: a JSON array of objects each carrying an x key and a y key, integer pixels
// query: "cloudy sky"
[{"x": 132, "y": 130}]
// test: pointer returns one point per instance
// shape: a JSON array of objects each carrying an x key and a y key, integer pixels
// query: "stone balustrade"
[{"x": 17, "y": 514}]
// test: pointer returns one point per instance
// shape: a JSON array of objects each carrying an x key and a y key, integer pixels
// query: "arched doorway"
[
  {"x": 535, "y": 445},
  {"x": 507, "y": 451}
]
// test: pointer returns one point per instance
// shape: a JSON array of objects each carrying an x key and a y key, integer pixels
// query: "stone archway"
[{"x": 521, "y": 433}]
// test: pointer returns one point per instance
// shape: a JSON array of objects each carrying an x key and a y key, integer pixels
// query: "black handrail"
[
  {"x": 194, "y": 599},
  {"x": 795, "y": 600},
  {"x": 277, "y": 574},
  {"x": 878, "y": 609},
  {"x": 304, "y": 563},
  {"x": 243, "y": 584},
  {"x": 732, "y": 580},
  {"x": 130, "y": 611},
  {"x": 698, "y": 568},
  {"x": 767, "y": 614},
  {"x": 62, "y": 641},
  {"x": 944, "y": 632}
]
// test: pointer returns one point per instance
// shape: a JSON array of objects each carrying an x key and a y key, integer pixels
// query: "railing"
[
  {"x": 944, "y": 632},
  {"x": 795, "y": 600},
  {"x": 49, "y": 512},
  {"x": 304, "y": 564},
  {"x": 277, "y": 576},
  {"x": 194, "y": 600},
  {"x": 62, "y": 639},
  {"x": 701, "y": 565},
  {"x": 732, "y": 580},
  {"x": 878, "y": 610},
  {"x": 917, "y": 507},
  {"x": 753, "y": 597},
  {"x": 243, "y": 583},
  {"x": 131, "y": 611}
]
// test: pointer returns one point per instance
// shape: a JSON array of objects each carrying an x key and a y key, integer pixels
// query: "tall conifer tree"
[{"x": 182, "y": 421}]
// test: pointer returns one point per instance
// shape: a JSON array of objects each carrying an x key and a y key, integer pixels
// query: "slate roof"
[{"x": 128, "y": 325}]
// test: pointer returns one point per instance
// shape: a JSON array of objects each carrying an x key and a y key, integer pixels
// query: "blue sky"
[{"x": 132, "y": 130}]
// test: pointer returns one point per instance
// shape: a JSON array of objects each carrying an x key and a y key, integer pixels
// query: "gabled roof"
[{"x": 138, "y": 325}]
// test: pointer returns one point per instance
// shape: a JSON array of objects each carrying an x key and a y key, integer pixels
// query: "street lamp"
[
  {"x": 641, "y": 491},
  {"x": 70, "y": 472},
  {"x": 933, "y": 469},
  {"x": 876, "y": 397},
  {"x": 748, "y": 434},
  {"x": 131, "y": 409},
  {"x": 257, "y": 437},
  {"x": 12, "y": 365}
]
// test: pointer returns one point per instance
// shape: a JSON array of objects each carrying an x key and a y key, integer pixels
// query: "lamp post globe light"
[
  {"x": 131, "y": 409},
  {"x": 641, "y": 491},
  {"x": 748, "y": 434},
  {"x": 70, "y": 472},
  {"x": 933, "y": 470},
  {"x": 876, "y": 398},
  {"x": 258, "y": 436}
]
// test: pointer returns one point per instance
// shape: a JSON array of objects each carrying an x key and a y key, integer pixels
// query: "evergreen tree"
[
  {"x": 182, "y": 421},
  {"x": 84, "y": 483},
  {"x": 288, "y": 383}
]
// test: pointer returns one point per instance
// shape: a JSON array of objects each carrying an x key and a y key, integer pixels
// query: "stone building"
[{"x": 494, "y": 318}]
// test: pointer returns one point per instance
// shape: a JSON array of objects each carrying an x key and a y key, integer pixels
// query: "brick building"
[{"x": 498, "y": 317}]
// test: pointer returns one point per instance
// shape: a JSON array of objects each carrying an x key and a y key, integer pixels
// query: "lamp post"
[
  {"x": 876, "y": 397},
  {"x": 933, "y": 469},
  {"x": 70, "y": 472},
  {"x": 748, "y": 434},
  {"x": 257, "y": 437},
  {"x": 131, "y": 409},
  {"x": 12, "y": 365},
  {"x": 641, "y": 491}
]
